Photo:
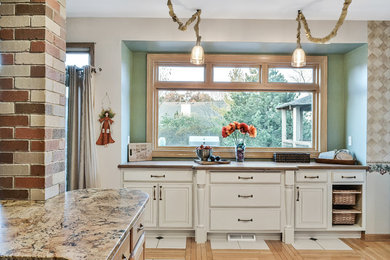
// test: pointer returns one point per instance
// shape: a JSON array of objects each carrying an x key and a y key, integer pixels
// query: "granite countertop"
[
  {"x": 249, "y": 165},
  {"x": 81, "y": 224}
]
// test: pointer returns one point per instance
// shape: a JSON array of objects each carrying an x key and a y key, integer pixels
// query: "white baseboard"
[
  {"x": 260, "y": 236},
  {"x": 327, "y": 234},
  {"x": 170, "y": 233}
]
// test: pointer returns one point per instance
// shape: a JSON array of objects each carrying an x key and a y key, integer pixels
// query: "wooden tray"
[
  {"x": 210, "y": 162},
  {"x": 333, "y": 161}
]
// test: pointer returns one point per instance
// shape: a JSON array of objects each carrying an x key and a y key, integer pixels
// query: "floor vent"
[{"x": 242, "y": 237}]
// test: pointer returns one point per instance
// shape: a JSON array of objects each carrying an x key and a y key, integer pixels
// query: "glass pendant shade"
[
  {"x": 298, "y": 58},
  {"x": 197, "y": 55}
]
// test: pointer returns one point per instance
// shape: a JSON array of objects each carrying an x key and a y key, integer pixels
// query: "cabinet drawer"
[
  {"x": 139, "y": 250},
  {"x": 348, "y": 176},
  {"x": 124, "y": 249},
  {"x": 236, "y": 195},
  {"x": 245, "y": 177},
  {"x": 136, "y": 232},
  {"x": 312, "y": 176},
  {"x": 245, "y": 219},
  {"x": 157, "y": 175}
]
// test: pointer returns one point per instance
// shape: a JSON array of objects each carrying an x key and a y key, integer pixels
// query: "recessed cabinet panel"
[
  {"x": 312, "y": 176},
  {"x": 311, "y": 206},
  {"x": 348, "y": 176},
  {"x": 150, "y": 213},
  {"x": 175, "y": 205},
  {"x": 233, "y": 195},
  {"x": 124, "y": 249},
  {"x": 158, "y": 175},
  {"x": 139, "y": 250},
  {"x": 245, "y": 219},
  {"x": 245, "y": 177}
]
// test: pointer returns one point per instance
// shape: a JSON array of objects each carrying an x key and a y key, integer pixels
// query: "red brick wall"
[{"x": 32, "y": 99}]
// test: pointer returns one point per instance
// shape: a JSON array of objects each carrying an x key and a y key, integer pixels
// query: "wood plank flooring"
[{"x": 361, "y": 250}]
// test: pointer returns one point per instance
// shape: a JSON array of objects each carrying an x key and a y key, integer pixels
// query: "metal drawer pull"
[
  {"x": 312, "y": 177},
  {"x": 140, "y": 228},
  {"x": 154, "y": 192},
  {"x": 160, "y": 192},
  {"x": 124, "y": 257},
  {"x": 245, "y": 178},
  {"x": 245, "y": 196},
  {"x": 348, "y": 177},
  {"x": 157, "y": 176},
  {"x": 297, "y": 193},
  {"x": 246, "y": 220}
]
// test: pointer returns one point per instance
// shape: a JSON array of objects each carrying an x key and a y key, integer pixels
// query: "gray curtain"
[{"x": 81, "y": 151}]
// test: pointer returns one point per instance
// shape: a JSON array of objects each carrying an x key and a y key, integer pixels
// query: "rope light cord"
[
  {"x": 299, "y": 31},
  {"x": 183, "y": 26},
  {"x": 333, "y": 33}
]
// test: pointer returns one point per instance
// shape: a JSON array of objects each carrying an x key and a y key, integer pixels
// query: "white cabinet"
[
  {"x": 245, "y": 201},
  {"x": 175, "y": 205},
  {"x": 150, "y": 213},
  {"x": 240, "y": 200},
  {"x": 170, "y": 196},
  {"x": 311, "y": 206}
]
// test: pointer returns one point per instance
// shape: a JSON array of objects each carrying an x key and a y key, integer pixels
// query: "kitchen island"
[{"x": 81, "y": 224}]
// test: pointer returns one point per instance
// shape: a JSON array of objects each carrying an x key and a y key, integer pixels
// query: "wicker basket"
[
  {"x": 343, "y": 218},
  {"x": 292, "y": 157},
  {"x": 344, "y": 198}
]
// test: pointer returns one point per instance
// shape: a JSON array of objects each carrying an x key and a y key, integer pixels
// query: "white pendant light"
[
  {"x": 298, "y": 58},
  {"x": 197, "y": 55}
]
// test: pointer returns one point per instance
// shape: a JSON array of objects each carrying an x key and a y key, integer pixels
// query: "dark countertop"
[
  {"x": 81, "y": 224},
  {"x": 249, "y": 165}
]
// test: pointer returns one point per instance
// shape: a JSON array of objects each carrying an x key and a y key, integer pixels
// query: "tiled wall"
[
  {"x": 32, "y": 99},
  {"x": 378, "y": 105}
]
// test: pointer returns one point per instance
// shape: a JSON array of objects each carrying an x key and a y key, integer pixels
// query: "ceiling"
[
  {"x": 231, "y": 9},
  {"x": 242, "y": 47}
]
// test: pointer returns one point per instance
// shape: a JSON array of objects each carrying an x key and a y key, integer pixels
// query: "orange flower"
[
  {"x": 225, "y": 132},
  {"x": 244, "y": 128},
  {"x": 233, "y": 126},
  {"x": 230, "y": 129},
  {"x": 236, "y": 124},
  {"x": 252, "y": 131}
]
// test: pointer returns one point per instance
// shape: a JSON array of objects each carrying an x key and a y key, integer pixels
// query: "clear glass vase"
[{"x": 240, "y": 151}]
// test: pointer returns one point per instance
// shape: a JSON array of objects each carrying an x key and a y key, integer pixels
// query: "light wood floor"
[{"x": 361, "y": 250}]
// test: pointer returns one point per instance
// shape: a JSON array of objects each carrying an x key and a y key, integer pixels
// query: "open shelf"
[
  {"x": 355, "y": 227},
  {"x": 346, "y": 192},
  {"x": 347, "y": 211},
  {"x": 348, "y": 201}
]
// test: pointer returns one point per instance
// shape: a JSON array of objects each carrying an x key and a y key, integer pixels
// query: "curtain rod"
[{"x": 93, "y": 69}]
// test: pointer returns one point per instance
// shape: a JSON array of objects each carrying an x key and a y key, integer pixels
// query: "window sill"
[{"x": 251, "y": 153}]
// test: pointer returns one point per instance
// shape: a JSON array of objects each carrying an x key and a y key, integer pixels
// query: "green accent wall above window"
[{"x": 339, "y": 106}]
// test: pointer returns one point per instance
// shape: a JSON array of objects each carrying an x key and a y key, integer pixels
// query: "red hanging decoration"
[{"x": 105, "y": 129}]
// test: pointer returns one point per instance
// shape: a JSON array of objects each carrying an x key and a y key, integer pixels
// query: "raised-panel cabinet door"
[
  {"x": 311, "y": 206},
  {"x": 150, "y": 213},
  {"x": 175, "y": 205}
]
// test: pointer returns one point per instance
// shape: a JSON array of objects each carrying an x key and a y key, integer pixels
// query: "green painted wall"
[
  {"x": 355, "y": 68},
  {"x": 138, "y": 98},
  {"x": 336, "y": 100},
  {"x": 126, "y": 66}
]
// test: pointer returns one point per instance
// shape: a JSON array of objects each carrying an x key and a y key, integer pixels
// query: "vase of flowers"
[{"x": 239, "y": 131}]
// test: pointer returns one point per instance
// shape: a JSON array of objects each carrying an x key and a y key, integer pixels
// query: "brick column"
[{"x": 32, "y": 99}]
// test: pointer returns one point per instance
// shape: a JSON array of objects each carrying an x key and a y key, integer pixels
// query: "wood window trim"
[
  {"x": 318, "y": 88},
  {"x": 83, "y": 45}
]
